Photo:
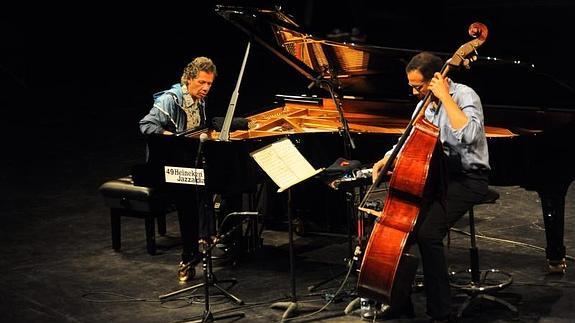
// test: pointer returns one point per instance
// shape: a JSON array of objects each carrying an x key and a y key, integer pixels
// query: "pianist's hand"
[{"x": 166, "y": 132}]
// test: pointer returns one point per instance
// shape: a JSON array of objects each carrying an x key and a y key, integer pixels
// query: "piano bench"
[{"x": 126, "y": 199}]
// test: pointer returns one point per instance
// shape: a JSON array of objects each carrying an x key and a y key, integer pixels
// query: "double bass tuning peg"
[{"x": 468, "y": 61}]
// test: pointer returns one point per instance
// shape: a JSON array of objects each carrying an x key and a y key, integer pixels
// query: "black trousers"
[
  {"x": 553, "y": 207},
  {"x": 195, "y": 216},
  {"x": 434, "y": 220}
]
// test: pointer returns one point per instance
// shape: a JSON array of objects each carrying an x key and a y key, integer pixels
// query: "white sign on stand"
[{"x": 184, "y": 175}]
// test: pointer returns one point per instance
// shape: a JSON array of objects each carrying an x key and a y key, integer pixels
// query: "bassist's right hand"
[{"x": 377, "y": 167}]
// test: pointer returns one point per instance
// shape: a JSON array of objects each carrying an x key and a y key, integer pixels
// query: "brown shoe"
[
  {"x": 556, "y": 266},
  {"x": 186, "y": 272},
  {"x": 203, "y": 243}
]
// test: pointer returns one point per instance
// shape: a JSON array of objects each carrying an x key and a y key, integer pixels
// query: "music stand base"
[
  {"x": 209, "y": 317},
  {"x": 210, "y": 284}
]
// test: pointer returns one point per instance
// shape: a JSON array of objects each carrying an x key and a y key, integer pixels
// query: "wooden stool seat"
[{"x": 126, "y": 199}]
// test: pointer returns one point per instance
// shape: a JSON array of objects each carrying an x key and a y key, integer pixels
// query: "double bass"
[{"x": 387, "y": 269}]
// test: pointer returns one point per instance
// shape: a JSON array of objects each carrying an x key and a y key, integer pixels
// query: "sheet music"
[{"x": 284, "y": 164}]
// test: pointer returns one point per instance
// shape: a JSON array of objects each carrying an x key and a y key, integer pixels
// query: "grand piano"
[{"x": 529, "y": 117}]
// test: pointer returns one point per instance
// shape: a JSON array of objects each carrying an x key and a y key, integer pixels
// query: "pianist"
[{"x": 180, "y": 108}]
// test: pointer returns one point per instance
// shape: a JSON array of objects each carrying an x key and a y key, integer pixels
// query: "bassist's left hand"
[{"x": 439, "y": 85}]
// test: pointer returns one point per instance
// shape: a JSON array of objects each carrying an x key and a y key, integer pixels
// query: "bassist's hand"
[{"x": 377, "y": 167}]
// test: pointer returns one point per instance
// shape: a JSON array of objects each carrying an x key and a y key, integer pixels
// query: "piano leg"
[{"x": 553, "y": 207}]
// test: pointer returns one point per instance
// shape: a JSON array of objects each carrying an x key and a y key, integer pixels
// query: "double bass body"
[{"x": 386, "y": 271}]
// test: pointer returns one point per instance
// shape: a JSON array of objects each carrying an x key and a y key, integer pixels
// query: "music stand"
[{"x": 286, "y": 167}]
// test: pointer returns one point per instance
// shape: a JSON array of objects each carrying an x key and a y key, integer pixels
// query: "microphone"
[
  {"x": 203, "y": 138},
  {"x": 234, "y": 228}
]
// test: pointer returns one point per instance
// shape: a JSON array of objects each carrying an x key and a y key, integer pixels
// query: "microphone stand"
[
  {"x": 210, "y": 279},
  {"x": 348, "y": 145},
  {"x": 330, "y": 85},
  {"x": 347, "y": 139}
]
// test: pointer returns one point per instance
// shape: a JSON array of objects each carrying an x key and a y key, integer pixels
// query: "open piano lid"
[
  {"x": 376, "y": 72},
  {"x": 358, "y": 70}
]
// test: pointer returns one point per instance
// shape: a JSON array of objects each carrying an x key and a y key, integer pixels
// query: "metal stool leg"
[
  {"x": 473, "y": 252},
  {"x": 478, "y": 287}
]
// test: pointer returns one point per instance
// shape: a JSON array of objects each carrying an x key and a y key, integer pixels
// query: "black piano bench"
[
  {"x": 126, "y": 199},
  {"x": 475, "y": 284}
]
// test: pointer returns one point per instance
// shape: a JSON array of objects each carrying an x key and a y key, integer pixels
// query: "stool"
[
  {"x": 477, "y": 284},
  {"x": 126, "y": 199}
]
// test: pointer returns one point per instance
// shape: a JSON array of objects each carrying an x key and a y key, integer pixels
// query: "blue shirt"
[
  {"x": 167, "y": 113},
  {"x": 467, "y": 144}
]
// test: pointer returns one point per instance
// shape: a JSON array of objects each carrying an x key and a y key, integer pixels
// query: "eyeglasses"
[{"x": 417, "y": 87}]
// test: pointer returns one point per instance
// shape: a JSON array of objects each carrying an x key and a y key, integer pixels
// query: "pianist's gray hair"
[
  {"x": 426, "y": 63},
  {"x": 193, "y": 69}
]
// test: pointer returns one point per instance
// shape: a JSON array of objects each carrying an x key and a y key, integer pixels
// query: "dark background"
[{"x": 69, "y": 73}]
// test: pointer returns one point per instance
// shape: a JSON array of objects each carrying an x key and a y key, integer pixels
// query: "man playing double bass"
[{"x": 456, "y": 110}]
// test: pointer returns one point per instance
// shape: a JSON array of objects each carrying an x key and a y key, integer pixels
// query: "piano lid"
[
  {"x": 376, "y": 72},
  {"x": 357, "y": 70}
]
